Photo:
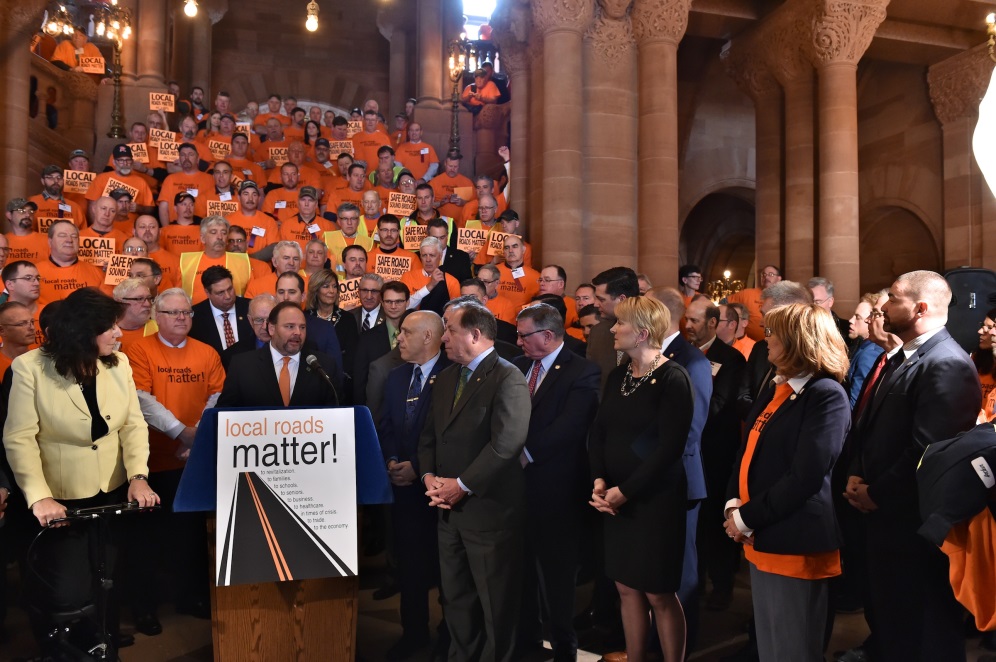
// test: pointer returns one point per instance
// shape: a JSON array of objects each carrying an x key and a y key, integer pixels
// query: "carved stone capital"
[
  {"x": 660, "y": 20},
  {"x": 750, "y": 70},
  {"x": 842, "y": 30},
  {"x": 79, "y": 86},
  {"x": 511, "y": 24},
  {"x": 562, "y": 15},
  {"x": 611, "y": 33},
  {"x": 958, "y": 83},
  {"x": 492, "y": 117},
  {"x": 786, "y": 56}
]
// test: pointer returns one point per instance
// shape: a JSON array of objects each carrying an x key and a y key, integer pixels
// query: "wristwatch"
[{"x": 139, "y": 477}]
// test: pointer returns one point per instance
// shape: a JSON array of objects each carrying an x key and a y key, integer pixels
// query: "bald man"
[{"x": 407, "y": 396}]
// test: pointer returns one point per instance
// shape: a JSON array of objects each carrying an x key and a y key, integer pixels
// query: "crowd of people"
[{"x": 519, "y": 421}]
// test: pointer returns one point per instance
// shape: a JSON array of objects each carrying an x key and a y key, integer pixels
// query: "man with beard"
[
  {"x": 123, "y": 173},
  {"x": 24, "y": 243},
  {"x": 51, "y": 203}
]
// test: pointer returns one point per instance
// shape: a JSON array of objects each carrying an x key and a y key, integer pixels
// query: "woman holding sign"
[{"x": 75, "y": 438}]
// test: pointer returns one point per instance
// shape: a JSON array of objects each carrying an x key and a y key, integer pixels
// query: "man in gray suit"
[{"x": 469, "y": 455}]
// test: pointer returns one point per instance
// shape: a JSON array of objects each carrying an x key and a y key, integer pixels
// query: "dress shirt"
[
  {"x": 292, "y": 367},
  {"x": 705, "y": 348},
  {"x": 373, "y": 317},
  {"x": 667, "y": 341},
  {"x": 426, "y": 368},
  {"x": 220, "y": 321},
  {"x": 910, "y": 348}
]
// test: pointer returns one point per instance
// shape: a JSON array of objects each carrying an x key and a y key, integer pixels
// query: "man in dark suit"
[
  {"x": 611, "y": 287},
  {"x": 927, "y": 391},
  {"x": 369, "y": 313},
  {"x": 720, "y": 440},
  {"x": 321, "y": 335},
  {"x": 454, "y": 261},
  {"x": 278, "y": 374},
  {"x": 564, "y": 392},
  {"x": 677, "y": 349},
  {"x": 220, "y": 313},
  {"x": 476, "y": 288},
  {"x": 381, "y": 339},
  {"x": 407, "y": 396},
  {"x": 469, "y": 458}
]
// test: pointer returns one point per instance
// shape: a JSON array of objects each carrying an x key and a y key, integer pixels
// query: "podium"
[{"x": 311, "y": 619}]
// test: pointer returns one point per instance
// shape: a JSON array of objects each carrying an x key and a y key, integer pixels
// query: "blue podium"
[{"x": 312, "y": 619}]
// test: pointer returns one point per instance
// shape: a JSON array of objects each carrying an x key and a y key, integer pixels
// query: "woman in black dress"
[{"x": 639, "y": 482}]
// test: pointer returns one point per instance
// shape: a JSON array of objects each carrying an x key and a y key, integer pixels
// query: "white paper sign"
[{"x": 286, "y": 495}]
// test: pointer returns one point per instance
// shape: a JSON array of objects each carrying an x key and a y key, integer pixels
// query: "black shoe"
[
  {"x": 407, "y": 647},
  {"x": 859, "y": 654},
  {"x": 197, "y": 609},
  {"x": 124, "y": 640},
  {"x": 386, "y": 591},
  {"x": 148, "y": 625}
]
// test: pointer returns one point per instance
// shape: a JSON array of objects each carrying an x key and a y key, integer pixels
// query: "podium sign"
[{"x": 286, "y": 495}]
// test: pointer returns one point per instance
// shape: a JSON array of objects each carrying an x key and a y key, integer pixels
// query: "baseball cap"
[
  {"x": 20, "y": 203},
  {"x": 51, "y": 170},
  {"x": 180, "y": 196},
  {"x": 122, "y": 151},
  {"x": 321, "y": 142},
  {"x": 78, "y": 152},
  {"x": 247, "y": 184},
  {"x": 309, "y": 192},
  {"x": 119, "y": 193},
  {"x": 228, "y": 116}
]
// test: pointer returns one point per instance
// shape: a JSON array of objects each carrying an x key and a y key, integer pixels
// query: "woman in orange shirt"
[
  {"x": 986, "y": 366},
  {"x": 780, "y": 503}
]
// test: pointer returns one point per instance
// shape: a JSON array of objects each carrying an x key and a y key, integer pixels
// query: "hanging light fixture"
[
  {"x": 58, "y": 22},
  {"x": 311, "y": 23},
  {"x": 984, "y": 137},
  {"x": 190, "y": 8}
]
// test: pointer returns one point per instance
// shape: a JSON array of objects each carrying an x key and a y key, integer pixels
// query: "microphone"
[{"x": 312, "y": 361}]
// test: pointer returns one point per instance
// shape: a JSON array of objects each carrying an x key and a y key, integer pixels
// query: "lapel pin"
[
  {"x": 556, "y": 367},
  {"x": 792, "y": 397},
  {"x": 653, "y": 381}
]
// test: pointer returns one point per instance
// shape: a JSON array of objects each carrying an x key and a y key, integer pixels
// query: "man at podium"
[{"x": 282, "y": 373}]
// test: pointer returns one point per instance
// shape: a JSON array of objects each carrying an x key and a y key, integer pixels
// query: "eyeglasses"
[
  {"x": 19, "y": 325},
  {"x": 820, "y": 302},
  {"x": 769, "y": 274},
  {"x": 523, "y": 336},
  {"x": 178, "y": 313},
  {"x": 548, "y": 280},
  {"x": 139, "y": 300},
  {"x": 28, "y": 279},
  {"x": 256, "y": 321},
  {"x": 767, "y": 332},
  {"x": 362, "y": 291},
  {"x": 24, "y": 210},
  {"x": 394, "y": 302},
  {"x": 875, "y": 314},
  {"x": 488, "y": 282},
  {"x": 135, "y": 249}
]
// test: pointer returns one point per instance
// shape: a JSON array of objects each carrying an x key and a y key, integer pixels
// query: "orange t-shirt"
[
  {"x": 752, "y": 299},
  {"x": 181, "y": 379},
  {"x": 470, "y": 209},
  {"x": 416, "y": 280},
  {"x": 263, "y": 118},
  {"x": 131, "y": 336},
  {"x": 365, "y": 146},
  {"x": 115, "y": 234},
  {"x": 444, "y": 185},
  {"x": 245, "y": 169},
  {"x": 417, "y": 157},
  {"x": 294, "y": 229},
  {"x": 142, "y": 199},
  {"x": 519, "y": 291},
  {"x": 178, "y": 239},
  {"x": 179, "y": 182},
  {"x": 59, "y": 282},
  {"x": 53, "y": 209},
  {"x": 262, "y": 151},
  {"x": 32, "y": 247},
  {"x": 197, "y": 293},
  {"x": 399, "y": 252},
  {"x": 308, "y": 177},
  {"x": 800, "y": 566},
  {"x": 258, "y": 222},
  {"x": 503, "y": 309},
  {"x": 744, "y": 345},
  {"x": 170, "y": 264},
  {"x": 988, "y": 398},
  {"x": 281, "y": 203},
  {"x": 337, "y": 196}
]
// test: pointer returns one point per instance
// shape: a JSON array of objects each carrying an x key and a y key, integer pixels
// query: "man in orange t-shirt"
[
  {"x": 189, "y": 180},
  {"x": 272, "y": 112},
  {"x": 751, "y": 297},
  {"x": 183, "y": 234},
  {"x": 357, "y": 185},
  {"x": 369, "y": 140},
  {"x": 296, "y": 153},
  {"x": 282, "y": 202},
  {"x": 425, "y": 283},
  {"x": 104, "y": 210},
  {"x": 553, "y": 280},
  {"x": 483, "y": 185},
  {"x": 23, "y": 285},
  {"x": 389, "y": 234},
  {"x": 444, "y": 186},
  {"x": 147, "y": 229},
  {"x": 519, "y": 282},
  {"x": 498, "y": 304},
  {"x": 261, "y": 229},
  {"x": 306, "y": 225},
  {"x": 242, "y": 166},
  {"x": 104, "y": 183},
  {"x": 63, "y": 272},
  {"x": 417, "y": 156},
  {"x": 264, "y": 153},
  {"x": 24, "y": 243},
  {"x": 51, "y": 203}
]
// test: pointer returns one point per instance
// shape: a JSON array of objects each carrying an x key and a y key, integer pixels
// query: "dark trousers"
[
  {"x": 548, "y": 580},
  {"x": 174, "y": 541},
  {"x": 481, "y": 576},
  {"x": 916, "y": 614},
  {"x": 417, "y": 552}
]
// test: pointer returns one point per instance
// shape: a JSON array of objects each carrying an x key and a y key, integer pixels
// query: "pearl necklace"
[{"x": 628, "y": 386}]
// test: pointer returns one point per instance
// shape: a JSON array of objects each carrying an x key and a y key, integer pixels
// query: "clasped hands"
[
  {"x": 606, "y": 500},
  {"x": 857, "y": 495},
  {"x": 443, "y": 492},
  {"x": 733, "y": 531}
]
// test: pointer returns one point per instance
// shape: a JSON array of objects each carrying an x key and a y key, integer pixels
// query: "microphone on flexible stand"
[{"x": 312, "y": 361}]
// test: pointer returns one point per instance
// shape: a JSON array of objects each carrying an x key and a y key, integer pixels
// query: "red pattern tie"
[
  {"x": 870, "y": 384},
  {"x": 534, "y": 377},
  {"x": 229, "y": 334}
]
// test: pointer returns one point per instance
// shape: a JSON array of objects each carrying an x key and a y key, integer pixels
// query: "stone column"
[
  {"x": 562, "y": 24},
  {"x": 610, "y": 147},
  {"x": 511, "y": 23},
  {"x": 18, "y": 22},
  {"x": 956, "y": 86},
  {"x": 537, "y": 126},
  {"x": 795, "y": 74},
  {"x": 430, "y": 52},
  {"x": 841, "y": 32},
  {"x": 152, "y": 35},
  {"x": 129, "y": 48},
  {"x": 200, "y": 54},
  {"x": 394, "y": 31},
  {"x": 658, "y": 26},
  {"x": 747, "y": 65}
]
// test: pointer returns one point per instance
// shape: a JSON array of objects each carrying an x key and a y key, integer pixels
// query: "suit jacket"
[
  {"x": 601, "y": 348},
  {"x": 756, "y": 377},
  {"x": 700, "y": 372},
  {"x": 934, "y": 395},
  {"x": 47, "y": 433},
  {"x": 579, "y": 347},
  {"x": 357, "y": 314},
  {"x": 397, "y": 441},
  {"x": 372, "y": 345},
  {"x": 456, "y": 263},
  {"x": 479, "y": 441},
  {"x": 563, "y": 408},
  {"x": 204, "y": 328},
  {"x": 251, "y": 381},
  {"x": 377, "y": 376},
  {"x": 862, "y": 361},
  {"x": 721, "y": 434},
  {"x": 321, "y": 335},
  {"x": 791, "y": 505}
]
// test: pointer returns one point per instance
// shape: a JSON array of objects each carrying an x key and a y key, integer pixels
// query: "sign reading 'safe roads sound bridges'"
[{"x": 286, "y": 495}]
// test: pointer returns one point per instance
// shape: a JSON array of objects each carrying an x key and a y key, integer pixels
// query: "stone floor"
[{"x": 188, "y": 639}]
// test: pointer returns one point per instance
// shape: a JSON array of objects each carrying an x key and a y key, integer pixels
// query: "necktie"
[
  {"x": 534, "y": 377},
  {"x": 414, "y": 391},
  {"x": 393, "y": 333},
  {"x": 871, "y": 385},
  {"x": 465, "y": 374},
  {"x": 284, "y": 381},
  {"x": 229, "y": 333},
  {"x": 366, "y": 322}
]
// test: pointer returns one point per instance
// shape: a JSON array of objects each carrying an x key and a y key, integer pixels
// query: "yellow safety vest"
[
  {"x": 237, "y": 263},
  {"x": 336, "y": 242}
]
